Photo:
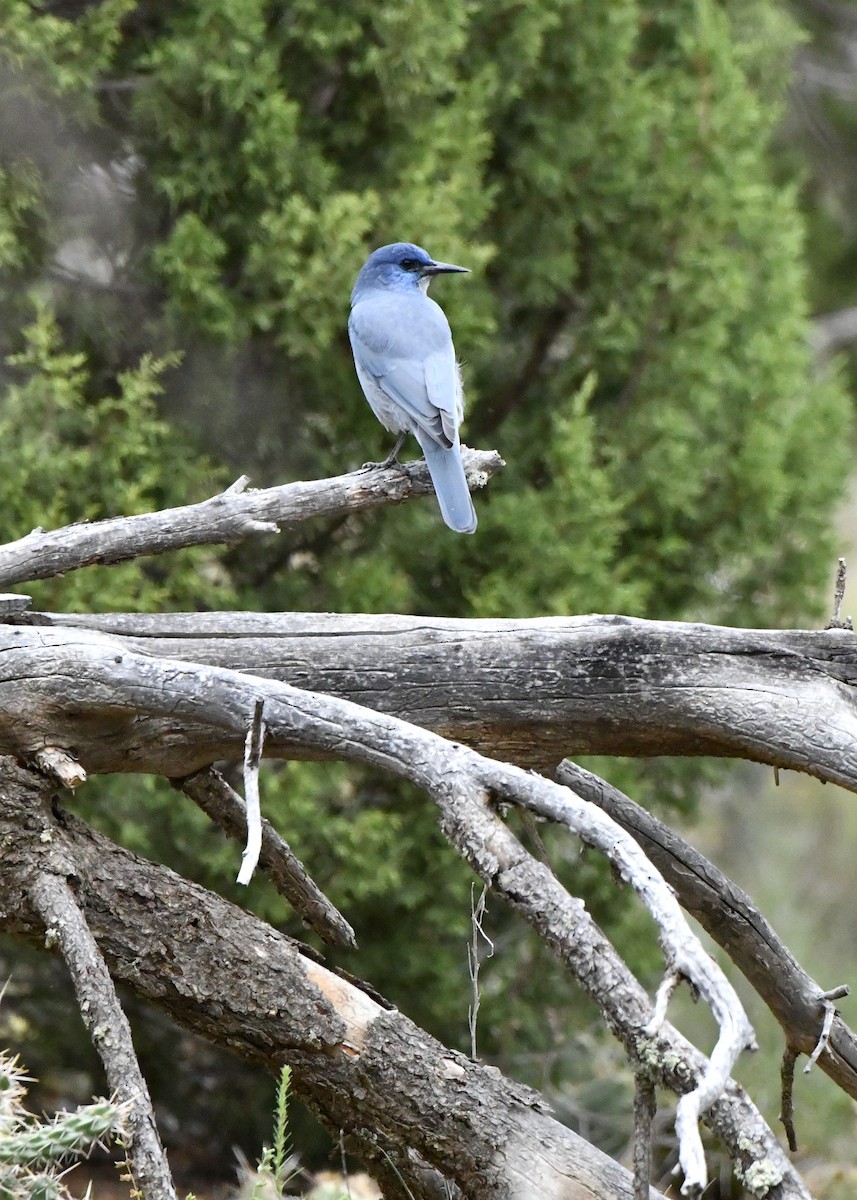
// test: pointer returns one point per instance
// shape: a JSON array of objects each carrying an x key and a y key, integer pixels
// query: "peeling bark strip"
[
  {"x": 534, "y": 691},
  {"x": 222, "y": 803},
  {"x": 232, "y": 978}
]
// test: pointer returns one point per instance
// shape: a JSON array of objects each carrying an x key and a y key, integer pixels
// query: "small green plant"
[
  {"x": 33, "y": 1153},
  {"x": 278, "y": 1164}
]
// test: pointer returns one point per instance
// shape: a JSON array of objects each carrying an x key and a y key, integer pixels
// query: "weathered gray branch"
[
  {"x": 684, "y": 955},
  {"x": 234, "y": 514},
  {"x": 51, "y": 897},
  {"x": 735, "y": 923},
  {"x": 100, "y": 681},
  {"x": 528, "y": 691}
]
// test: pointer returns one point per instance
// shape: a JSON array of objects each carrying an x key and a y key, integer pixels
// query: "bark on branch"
[
  {"x": 132, "y": 688},
  {"x": 529, "y": 691},
  {"x": 51, "y": 897},
  {"x": 234, "y": 514}
]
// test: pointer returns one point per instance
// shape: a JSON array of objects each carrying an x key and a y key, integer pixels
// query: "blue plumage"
[{"x": 406, "y": 365}]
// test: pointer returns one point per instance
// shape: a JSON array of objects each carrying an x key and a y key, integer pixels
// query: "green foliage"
[
  {"x": 32, "y": 1153},
  {"x": 278, "y": 1164},
  {"x": 602, "y": 168},
  {"x": 572, "y": 506},
  {"x": 95, "y": 457},
  {"x": 66, "y": 56}
]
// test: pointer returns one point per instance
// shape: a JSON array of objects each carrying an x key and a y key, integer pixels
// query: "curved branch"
[
  {"x": 65, "y": 925},
  {"x": 229, "y": 517},
  {"x": 685, "y": 957}
]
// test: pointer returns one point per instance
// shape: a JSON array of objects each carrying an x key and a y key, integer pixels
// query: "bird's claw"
[{"x": 389, "y": 461}]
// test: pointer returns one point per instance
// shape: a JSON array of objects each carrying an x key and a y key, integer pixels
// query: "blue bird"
[{"x": 406, "y": 365}]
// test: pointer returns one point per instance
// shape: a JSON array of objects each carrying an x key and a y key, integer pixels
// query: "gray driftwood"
[
  {"x": 728, "y": 914},
  {"x": 104, "y": 694}
]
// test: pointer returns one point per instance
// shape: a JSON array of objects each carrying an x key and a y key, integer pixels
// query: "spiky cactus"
[{"x": 32, "y": 1153}]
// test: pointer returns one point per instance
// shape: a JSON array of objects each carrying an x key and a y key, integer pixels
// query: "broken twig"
[{"x": 222, "y": 804}]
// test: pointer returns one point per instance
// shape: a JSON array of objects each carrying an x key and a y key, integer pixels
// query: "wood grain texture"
[{"x": 529, "y": 691}]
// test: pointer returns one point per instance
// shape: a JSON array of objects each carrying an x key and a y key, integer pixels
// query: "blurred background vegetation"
[{"x": 658, "y": 204}]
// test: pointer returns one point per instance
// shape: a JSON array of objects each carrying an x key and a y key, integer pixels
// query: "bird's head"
[{"x": 401, "y": 266}]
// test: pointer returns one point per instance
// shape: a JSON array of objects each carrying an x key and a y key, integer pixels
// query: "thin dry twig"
[
  {"x": 836, "y": 621},
  {"x": 645, "y": 1106},
  {"x": 663, "y": 995},
  {"x": 787, "y": 1104},
  {"x": 477, "y": 914},
  {"x": 108, "y": 1027}
]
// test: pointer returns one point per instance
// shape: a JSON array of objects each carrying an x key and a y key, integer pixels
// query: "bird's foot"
[{"x": 392, "y": 459}]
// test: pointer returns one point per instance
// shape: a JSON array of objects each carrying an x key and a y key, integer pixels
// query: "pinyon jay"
[{"x": 406, "y": 366}]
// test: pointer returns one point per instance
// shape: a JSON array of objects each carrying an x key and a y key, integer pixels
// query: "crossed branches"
[{"x": 116, "y": 696}]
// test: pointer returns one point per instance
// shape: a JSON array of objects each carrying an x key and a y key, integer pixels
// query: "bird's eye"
[{"x": 410, "y": 264}]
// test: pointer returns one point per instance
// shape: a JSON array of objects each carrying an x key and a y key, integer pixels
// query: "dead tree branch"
[
  {"x": 171, "y": 694},
  {"x": 228, "y": 517},
  {"x": 645, "y": 1106},
  {"x": 684, "y": 955},
  {"x": 131, "y": 688},
  {"x": 731, "y": 918},
  {"x": 218, "y": 800},
  {"x": 364, "y": 1068},
  {"x": 531, "y": 691}
]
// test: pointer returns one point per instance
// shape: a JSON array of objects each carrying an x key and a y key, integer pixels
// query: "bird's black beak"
[{"x": 439, "y": 268}]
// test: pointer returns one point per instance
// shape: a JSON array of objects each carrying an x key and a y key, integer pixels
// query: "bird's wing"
[{"x": 408, "y": 352}]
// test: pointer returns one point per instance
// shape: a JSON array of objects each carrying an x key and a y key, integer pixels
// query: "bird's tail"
[{"x": 450, "y": 485}]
